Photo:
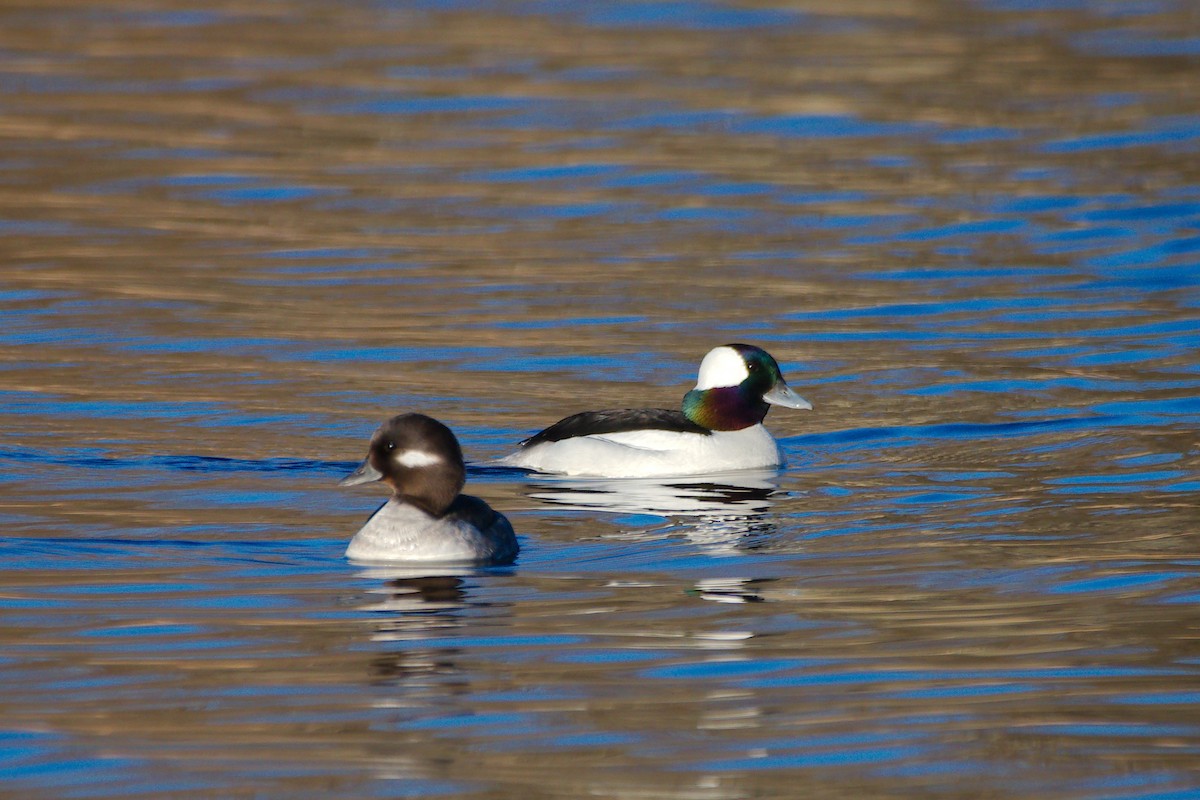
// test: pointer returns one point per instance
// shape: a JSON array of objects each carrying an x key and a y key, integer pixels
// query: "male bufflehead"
[
  {"x": 426, "y": 519},
  {"x": 719, "y": 429}
]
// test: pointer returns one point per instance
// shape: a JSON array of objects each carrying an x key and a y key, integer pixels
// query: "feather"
[{"x": 591, "y": 423}]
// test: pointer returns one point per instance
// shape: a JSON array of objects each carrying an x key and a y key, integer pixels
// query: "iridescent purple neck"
[{"x": 724, "y": 408}]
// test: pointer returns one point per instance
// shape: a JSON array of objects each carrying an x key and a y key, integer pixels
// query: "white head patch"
[
  {"x": 723, "y": 366},
  {"x": 417, "y": 458}
]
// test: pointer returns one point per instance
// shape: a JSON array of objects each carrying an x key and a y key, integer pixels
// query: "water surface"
[{"x": 236, "y": 238}]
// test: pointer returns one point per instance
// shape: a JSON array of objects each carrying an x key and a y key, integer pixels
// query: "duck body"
[
  {"x": 641, "y": 452},
  {"x": 427, "y": 519},
  {"x": 719, "y": 428},
  {"x": 470, "y": 530}
]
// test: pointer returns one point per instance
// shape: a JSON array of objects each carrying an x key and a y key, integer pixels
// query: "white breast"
[
  {"x": 653, "y": 453},
  {"x": 401, "y": 532}
]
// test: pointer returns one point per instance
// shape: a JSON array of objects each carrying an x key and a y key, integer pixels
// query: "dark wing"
[
  {"x": 474, "y": 511},
  {"x": 616, "y": 421},
  {"x": 492, "y": 524}
]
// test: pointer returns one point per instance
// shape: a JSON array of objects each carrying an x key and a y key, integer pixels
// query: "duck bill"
[
  {"x": 364, "y": 474},
  {"x": 781, "y": 395}
]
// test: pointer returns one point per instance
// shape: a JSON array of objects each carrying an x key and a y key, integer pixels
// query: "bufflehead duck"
[
  {"x": 719, "y": 429},
  {"x": 427, "y": 519}
]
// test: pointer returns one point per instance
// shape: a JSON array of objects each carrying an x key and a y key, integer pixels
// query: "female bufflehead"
[
  {"x": 426, "y": 519},
  {"x": 719, "y": 429}
]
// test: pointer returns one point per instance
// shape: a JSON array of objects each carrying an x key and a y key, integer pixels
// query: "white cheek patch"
[
  {"x": 723, "y": 366},
  {"x": 416, "y": 458}
]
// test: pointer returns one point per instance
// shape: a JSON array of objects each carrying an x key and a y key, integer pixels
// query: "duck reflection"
[
  {"x": 725, "y": 512},
  {"x": 733, "y": 590},
  {"x": 420, "y": 612},
  {"x": 417, "y": 591}
]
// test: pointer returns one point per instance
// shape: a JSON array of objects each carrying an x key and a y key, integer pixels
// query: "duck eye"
[{"x": 390, "y": 446}]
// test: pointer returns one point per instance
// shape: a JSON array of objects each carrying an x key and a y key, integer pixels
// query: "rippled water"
[{"x": 235, "y": 237}]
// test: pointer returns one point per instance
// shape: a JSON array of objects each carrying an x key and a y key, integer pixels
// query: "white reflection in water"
[
  {"x": 417, "y": 589},
  {"x": 419, "y": 622},
  {"x": 732, "y": 590},
  {"x": 416, "y": 607},
  {"x": 723, "y": 512}
]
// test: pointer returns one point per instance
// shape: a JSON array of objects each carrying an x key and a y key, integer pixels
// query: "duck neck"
[{"x": 723, "y": 408}]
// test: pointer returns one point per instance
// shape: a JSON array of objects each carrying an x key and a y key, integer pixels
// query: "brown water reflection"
[{"x": 234, "y": 239}]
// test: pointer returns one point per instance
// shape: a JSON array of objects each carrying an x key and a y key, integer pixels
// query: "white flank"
[
  {"x": 723, "y": 366},
  {"x": 651, "y": 454},
  {"x": 417, "y": 458}
]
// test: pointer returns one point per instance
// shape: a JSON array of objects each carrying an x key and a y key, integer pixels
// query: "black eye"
[
  {"x": 390, "y": 446},
  {"x": 752, "y": 366}
]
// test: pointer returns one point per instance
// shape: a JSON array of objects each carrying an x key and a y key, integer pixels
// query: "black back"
[{"x": 616, "y": 421}]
